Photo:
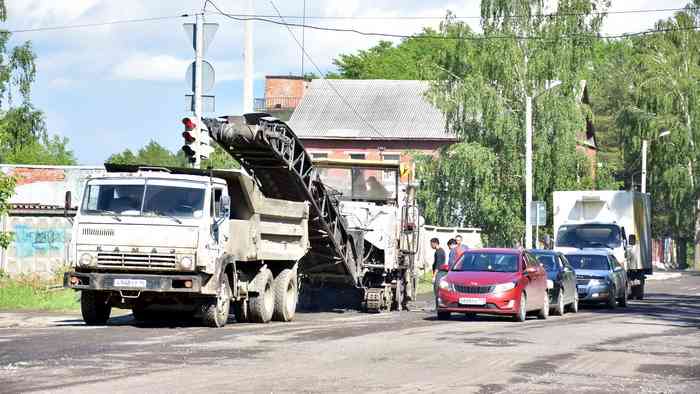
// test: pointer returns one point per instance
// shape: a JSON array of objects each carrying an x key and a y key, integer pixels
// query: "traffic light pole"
[{"x": 199, "y": 54}]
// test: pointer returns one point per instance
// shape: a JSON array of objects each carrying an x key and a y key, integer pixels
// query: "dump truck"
[
  {"x": 250, "y": 240},
  {"x": 619, "y": 221}
]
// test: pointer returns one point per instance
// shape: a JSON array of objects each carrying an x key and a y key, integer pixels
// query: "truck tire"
[
  {"x": 95, "y": 307},
  {"x": 240, "y": 311},
  {"x": 261, "y": 306},
  {"x": 286, "y": 290},
  {"x": 215, "y": 311}
]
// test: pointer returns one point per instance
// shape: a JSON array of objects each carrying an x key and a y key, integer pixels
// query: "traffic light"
[{"x": 191, "y": 136}]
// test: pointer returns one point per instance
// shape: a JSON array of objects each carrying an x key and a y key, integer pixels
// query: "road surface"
[{"x": 651, "y": 346}]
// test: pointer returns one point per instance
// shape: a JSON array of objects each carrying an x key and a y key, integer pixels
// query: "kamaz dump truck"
[{"x": 206, "y": 241}]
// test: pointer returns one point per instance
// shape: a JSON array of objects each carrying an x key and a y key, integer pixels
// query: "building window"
[
  {"x": 357, "y": 156},
  {"x": 391, "y": 156},
  {"x": 319, "y": 155}
]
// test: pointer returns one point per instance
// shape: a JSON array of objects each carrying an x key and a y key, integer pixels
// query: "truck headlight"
[
  {"x": 187, "y": 263},
  {"x": 502, "y": 287},
  {"x": 86, "y": 260},
  {"x": 445, "y": 285}
]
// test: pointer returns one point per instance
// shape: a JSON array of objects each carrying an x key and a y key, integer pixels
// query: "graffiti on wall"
[{"x": 30, "y": 241}]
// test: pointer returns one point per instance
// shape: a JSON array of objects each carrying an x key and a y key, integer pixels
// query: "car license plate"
[
  {"x": 472, "y": 301},
  {"x": 581, "y": 289},
  {"x": 140, "y": 283}
]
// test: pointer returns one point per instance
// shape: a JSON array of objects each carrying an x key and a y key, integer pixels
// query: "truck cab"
[{"x": 156, "y": 238}]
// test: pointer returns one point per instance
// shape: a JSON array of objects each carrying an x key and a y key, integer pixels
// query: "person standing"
[
  {"x": 438, "y": 257},
  {"x": 460, "y": 248}
]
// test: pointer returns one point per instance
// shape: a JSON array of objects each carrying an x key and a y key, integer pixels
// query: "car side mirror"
[
  {"x": 632, "y": 240},
  {"x": 444, "y": 267},
  {"x": 225, "y": 207}
]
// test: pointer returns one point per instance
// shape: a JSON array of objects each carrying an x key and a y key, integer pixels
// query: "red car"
[{"x": 494, "y": 281}]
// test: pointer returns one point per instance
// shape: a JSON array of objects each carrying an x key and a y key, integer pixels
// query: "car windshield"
[
  {"x": 589, "y": 262},
  {"x": 364, "y": 184},
  {"x": 549, "y": 261},
  {"x": 156, "y": 198},
  {"x": 589, "y": 235},
  {"x": 494, "y": 262}
]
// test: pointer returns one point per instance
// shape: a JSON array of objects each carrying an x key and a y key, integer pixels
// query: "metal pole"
[
  {"x": 537, "y": 227},
  {"x": 199, "y": 54},
  {"x": 528, "y": 172},
  {"x": 248, "y": 60},
  {"x": 644, "y": 165}
]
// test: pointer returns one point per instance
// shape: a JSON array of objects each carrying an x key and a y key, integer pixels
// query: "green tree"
[
  {"x": 481, "y": 85},
  {"x": 153, "y": 154}
]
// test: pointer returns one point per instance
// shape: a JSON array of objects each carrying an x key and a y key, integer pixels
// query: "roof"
[
  {"x": 588, "y": 252},
  {"x": 368, "y": 109},
  {"x": 495, "y": 250}
]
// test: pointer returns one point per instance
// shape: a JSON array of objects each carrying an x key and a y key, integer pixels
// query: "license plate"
[
  {"x": 140, "y": 283},
  {"x": 472, "y": 301}
]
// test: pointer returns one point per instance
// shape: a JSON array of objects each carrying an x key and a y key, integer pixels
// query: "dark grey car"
[
  {"x": 561, "y": 280},
  {"x": 599, "y": 277}
]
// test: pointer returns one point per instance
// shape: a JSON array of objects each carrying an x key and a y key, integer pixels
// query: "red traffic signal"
[{"x": 189, "y": 124}]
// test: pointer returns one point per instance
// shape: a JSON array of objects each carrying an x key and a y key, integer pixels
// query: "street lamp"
[
  {"x": 528, "y": 161},
  {"x": 645, "y": 146}
]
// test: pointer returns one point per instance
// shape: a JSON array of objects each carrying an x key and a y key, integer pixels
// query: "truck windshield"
[
  {"x": 143, "y": 199},
  {"x": 589, "y": 236},
  {"x": 592, "y": 262},
  {"x": 493, "y": 262},
  {"x": 358, "y": 183}
]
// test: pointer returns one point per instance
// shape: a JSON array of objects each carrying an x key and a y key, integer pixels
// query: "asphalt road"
[{"x": 651, "y": 346}]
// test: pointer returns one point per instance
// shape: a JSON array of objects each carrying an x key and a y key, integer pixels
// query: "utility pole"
[
  {"x": 248, "y": 59},
  {"x": 645, "y": 145},
  {"x": 528, "y": 172},
  {"x": 198, "y": 57}
]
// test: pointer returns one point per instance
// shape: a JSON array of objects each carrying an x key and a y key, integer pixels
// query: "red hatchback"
[{"x": 494, "y": 281}]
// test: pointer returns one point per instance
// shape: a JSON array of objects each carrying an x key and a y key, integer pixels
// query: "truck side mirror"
[
  {"x": 67, "y": 204},
  {"x": 225, "y": 206},
  {"x": 632, "y": 240}
]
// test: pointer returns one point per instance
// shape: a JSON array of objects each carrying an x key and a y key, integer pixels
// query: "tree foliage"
[{"x": 154, "y": 154}]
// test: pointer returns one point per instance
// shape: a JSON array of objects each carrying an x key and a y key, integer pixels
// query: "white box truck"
[{"x": 615, "y": 220}]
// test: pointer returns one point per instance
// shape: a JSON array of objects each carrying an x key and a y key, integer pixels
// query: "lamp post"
[
  {"x": 645, "y": 147},
  {"x": 528, "y": 161}
]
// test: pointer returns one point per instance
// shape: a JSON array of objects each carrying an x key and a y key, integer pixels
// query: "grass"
[
  {"x": 33, "y": 293},
  {"x": 425, "y": 283}
]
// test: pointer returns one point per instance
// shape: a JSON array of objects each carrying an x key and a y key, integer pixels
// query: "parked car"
[
  {"x": 599, "y": 277},
  {"x": 494, "y": 281},
  {"x": 561, "y": 281}
]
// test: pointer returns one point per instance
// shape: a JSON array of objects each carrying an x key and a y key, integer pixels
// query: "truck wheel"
[
  {"x": 559, "y": 307},
  {"x": 262, "y": 305},
  {"x": 94, "y": 306},
  {"x": 240, "y": 311},
  {"x": 215, "y": 311},
  {"x": 286, "y": 291}
]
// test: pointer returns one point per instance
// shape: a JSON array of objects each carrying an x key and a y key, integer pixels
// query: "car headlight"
[
  {"x": 501, "y": 287},
  {"x": 550, "y": 284},
  {"x": 187, "y": 263},
  {"x": 597, "y": 282},
  {"x": 86, "y": 260},
  {"x": 445, "y": 285}
]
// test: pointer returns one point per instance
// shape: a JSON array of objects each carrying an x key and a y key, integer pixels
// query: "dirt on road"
[{"x": 650, "y": 346}]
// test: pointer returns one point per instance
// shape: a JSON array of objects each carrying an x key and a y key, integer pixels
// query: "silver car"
[{"x": 599, "y": 277}]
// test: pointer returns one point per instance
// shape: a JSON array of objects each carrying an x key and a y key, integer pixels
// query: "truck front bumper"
[{"x": 133, "y": 282}]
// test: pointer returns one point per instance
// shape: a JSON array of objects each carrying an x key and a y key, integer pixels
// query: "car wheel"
[
  {"x": 623, "y": 300},
  {"x": 560, "y": 306},
  {"x": 573, "y": 308},
  {"x": 544, "y": 312},
  {"x": 612, "y": 301},
  {"x": 443, "y": 315},
  {"x": 521, "y": 315}
]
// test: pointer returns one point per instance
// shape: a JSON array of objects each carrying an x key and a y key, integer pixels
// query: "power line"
[
  {"x": 408, "y": 17},
  {"x": 318, "y": 69},
  {"x": 116, "y": 22},
  {"x": 438, "y": 37}
]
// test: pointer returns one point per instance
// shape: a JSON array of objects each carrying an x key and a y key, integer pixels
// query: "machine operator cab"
[{"x": 361, "y": 180}]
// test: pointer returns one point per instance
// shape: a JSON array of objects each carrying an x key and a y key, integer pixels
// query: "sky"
[{"x": 109, "y": 88}]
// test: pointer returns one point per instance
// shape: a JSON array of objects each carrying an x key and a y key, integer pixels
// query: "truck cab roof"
[{"x": 192, "y": 174}]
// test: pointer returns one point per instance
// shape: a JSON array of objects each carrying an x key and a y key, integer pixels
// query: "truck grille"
[
  {"x": 135, "y": 260},
  {"x": 473, "y": 289}
]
